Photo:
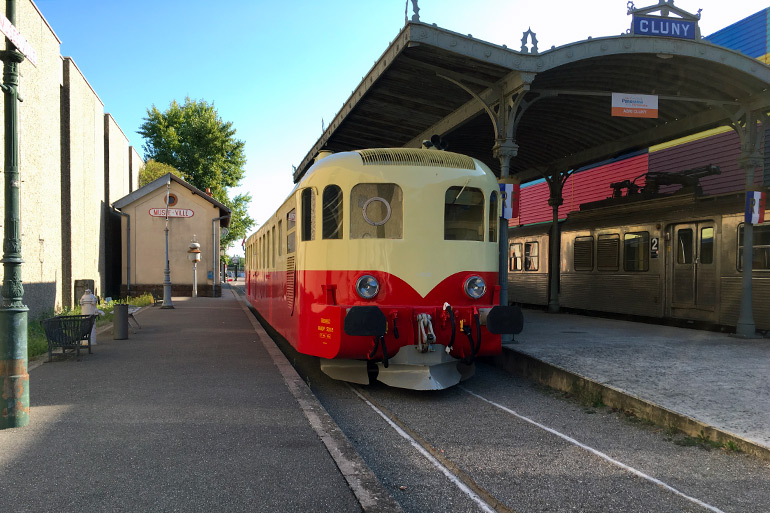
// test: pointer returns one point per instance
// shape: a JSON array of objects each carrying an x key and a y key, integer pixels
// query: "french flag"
[{"x": 755, "y": 207}]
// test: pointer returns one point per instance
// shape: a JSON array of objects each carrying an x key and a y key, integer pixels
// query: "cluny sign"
[{"x": 664, "y": 27}]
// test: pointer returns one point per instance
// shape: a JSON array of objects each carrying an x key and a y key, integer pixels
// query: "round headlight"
[
  {"x": 475, "y": 287},
  {"x": 367, "y": 286}
]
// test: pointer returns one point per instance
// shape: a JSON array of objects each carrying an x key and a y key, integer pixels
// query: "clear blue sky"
[{"x": 276, "y": 69}]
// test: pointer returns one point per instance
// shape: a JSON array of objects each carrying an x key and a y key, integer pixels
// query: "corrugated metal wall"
[
  {"x": 748, "y": 35},
  {"x": 720, "y": 147}
]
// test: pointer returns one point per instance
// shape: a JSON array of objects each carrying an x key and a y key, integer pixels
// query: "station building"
[
  {"x": 191, "y": 216},
  {"x": 74, "y": 162}
]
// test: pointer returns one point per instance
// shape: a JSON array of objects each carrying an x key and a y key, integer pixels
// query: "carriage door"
[{"x": 694, "y": 268}]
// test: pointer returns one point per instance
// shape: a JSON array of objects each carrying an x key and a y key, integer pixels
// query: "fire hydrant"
[{"x": 88, "y": 307}]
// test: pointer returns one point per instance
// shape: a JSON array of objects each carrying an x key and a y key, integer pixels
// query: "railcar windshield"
[
  {"x": 376, "y": 211},
  {"x": 464, "y": 214}
]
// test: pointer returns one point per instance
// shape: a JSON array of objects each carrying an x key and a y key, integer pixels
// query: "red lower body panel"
[{"x": 311, "y": 314}]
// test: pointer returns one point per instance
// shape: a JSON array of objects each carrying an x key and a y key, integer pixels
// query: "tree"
[
  {"x": 193, "y": 139},
  {"x": 153, "y": 170}
]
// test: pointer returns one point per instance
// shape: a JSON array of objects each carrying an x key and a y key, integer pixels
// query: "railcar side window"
[
  {"x": 583, "y": 254},
  {"x": 531, "y": 256},
  {"x": 684, "y": 246},
  {"x": 761, "y": 260},
  {"x": 273, "y": 246},
  {"x": 332, "y": 212},
  {"x": 291, "y": 218},
  {"x": 707, "y": 245},
  {"x": 308, "y": 217},
  {"x": 607, "y": 252},
  {"x": 637, "y": 251},
  {"x": 280, "y": 238},
  {"x": 376, "y": 211},
  {"x": 464, "y": 214},
  {"x": 493, "y": 217},
  {"x": 515, "y": 257}
]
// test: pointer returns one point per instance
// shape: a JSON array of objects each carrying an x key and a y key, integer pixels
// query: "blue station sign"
[{"x": 664, "y": 27}]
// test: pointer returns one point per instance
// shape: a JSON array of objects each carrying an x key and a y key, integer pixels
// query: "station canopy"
[{"x": 435, "y": 81}]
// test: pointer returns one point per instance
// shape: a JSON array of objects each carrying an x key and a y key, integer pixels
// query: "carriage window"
[
  {"x": 308, "y": 207},
  {"x": 531, "y": 256},
  {"x": 607, "y": 252},
  {"x": 376, "y": 211},
  {"x": 273, "y": 245},
  {"x": 684, "y": 246},
  {"x": 464, "y": 214},
  {"x": 707, "y": 245},
  {"x": 291, "y": 219},
  {"x": 493, "y": 217},
  {"x": 637, "y": 251},
  {"x": 332, "y": 212},
  {"x": 290, "y": 231},
  {"x": 515, "y": 257},
  {"x": 583, "y": 254},
  {"x": 280, "y": 238},
  {"x": 761, "y": 260}
]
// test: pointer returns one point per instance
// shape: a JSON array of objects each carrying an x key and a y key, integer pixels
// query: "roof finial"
[{"x": 527, "y": 34}]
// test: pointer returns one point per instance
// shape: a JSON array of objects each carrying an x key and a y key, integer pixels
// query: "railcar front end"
[{"x": 395, "y": 267}]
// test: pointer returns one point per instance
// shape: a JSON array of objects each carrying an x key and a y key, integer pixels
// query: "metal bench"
[{"x": 68, "y": 332}]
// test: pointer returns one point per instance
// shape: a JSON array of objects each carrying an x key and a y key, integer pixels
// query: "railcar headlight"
[
  {"x": 475, "y": 287},
  {"x": 367, "y": 286}
]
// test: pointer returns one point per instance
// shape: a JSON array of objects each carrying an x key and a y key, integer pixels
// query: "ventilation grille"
[
  {"x": 413, "y": 157},
  {"x": 290, "y": 279}
]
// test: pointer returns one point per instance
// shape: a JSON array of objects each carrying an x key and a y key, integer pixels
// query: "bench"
[{"x": 68, "y": 332}]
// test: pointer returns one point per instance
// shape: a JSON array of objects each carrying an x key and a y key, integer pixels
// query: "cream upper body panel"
[{"x": 421, "y": 256}]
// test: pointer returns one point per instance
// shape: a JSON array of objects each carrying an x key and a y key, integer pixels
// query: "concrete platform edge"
[
  {"x": 527, "y": 366},
  {"x": 371, "y": 495}
]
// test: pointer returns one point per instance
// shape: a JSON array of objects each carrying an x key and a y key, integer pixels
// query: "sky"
[{"x": 278, "y": 70}]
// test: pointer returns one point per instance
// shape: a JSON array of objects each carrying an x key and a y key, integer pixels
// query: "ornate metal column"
[
  {"x": 14, "y": 406},
  {"x": 750, "y": 160},
  {"x": 556, "y": 182}
]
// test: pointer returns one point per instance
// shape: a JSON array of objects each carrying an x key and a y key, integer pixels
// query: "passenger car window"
[
  {"x": 376, "y": 211},
  {"x": 515, "y": 258},
  {"x": 290, "y": 231},
  {"x": 531, "y": 256},
  {"x": 583, "y": 254},
  {"x": 761, "y": 260},
  {"x": 607, "y": 252},
  {"x": 464, "y": 214},
  {"x": 684, "y": 246},
  {"x": 707, "y": 245},
  {"x": 637, "y": 251}
]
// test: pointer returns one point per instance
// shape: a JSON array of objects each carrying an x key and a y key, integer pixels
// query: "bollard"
[{"x": 120, "y": 322}]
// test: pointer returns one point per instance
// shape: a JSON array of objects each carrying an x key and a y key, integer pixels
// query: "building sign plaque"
[
  {"x": 172, "y": 212},
  {"x": 664, "y": 27}
]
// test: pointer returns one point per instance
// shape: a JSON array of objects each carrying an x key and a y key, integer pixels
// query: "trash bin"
[{"x": 120, "y": 322}]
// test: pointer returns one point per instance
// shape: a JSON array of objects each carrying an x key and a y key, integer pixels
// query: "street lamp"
[{"x": 194, "y": 254}]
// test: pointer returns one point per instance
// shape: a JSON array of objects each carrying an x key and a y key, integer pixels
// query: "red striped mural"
[{"x": 591, "y": 184}]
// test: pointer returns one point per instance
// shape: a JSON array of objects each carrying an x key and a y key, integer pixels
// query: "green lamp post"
[{"x": 14, "y": 392}]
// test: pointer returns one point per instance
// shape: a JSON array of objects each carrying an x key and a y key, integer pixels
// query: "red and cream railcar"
[{"x": 386, "y": 257}]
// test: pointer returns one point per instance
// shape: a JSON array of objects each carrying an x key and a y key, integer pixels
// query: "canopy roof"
[{"x": 431, "y": 80}]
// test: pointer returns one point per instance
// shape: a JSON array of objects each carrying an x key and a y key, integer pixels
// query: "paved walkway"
[
  {"x": 191, "y": 413},
  {"x": 716, "y": 379}
]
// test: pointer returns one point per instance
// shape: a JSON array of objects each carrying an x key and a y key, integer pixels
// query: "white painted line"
[
  {"x": 462, "y": 486},
  {"x": 598, "y": 453}
]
